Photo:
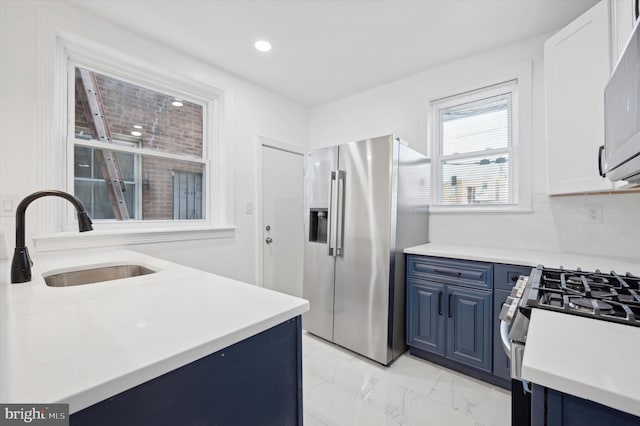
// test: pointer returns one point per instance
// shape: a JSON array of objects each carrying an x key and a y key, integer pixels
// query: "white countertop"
[
  {"x": 85, "y": 343},
  {"x": 592, "y": 359},
  {"x": 549, "y": 259}
]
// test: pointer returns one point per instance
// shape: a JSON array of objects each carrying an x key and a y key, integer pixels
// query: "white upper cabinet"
[{"x": 577, "y": 68}]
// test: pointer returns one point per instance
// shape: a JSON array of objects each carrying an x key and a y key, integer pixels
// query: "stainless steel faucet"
[{"x": 21, "y": 263}]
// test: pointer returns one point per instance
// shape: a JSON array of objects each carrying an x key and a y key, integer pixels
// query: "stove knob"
[{"x": 508, "y": 310}]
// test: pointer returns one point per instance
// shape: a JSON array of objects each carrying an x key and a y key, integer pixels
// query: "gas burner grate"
[{"x": 610, "y": 297}]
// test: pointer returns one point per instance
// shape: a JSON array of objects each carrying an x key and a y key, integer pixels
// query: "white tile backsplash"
[
  {"x": 618, "y": 235},
  {"x": 556, "y": 223}
]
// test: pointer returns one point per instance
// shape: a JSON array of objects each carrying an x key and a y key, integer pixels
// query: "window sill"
[
  {"x": 125, "y": 237},
  {"x": 435, "y": 209}
]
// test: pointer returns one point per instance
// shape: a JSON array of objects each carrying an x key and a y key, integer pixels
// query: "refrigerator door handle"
[
  {"x": 340, "y": 213},
  {"x": 332, "y": 214}
]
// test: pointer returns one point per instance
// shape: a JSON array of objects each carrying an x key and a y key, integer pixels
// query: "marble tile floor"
[{"x": 341, "y": 388}]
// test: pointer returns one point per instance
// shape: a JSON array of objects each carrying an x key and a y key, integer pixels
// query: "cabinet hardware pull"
[
  {"x": 439, "y": 303},
  {"x": 443, "y": 272},
  {"x": 449, "y": 306}
]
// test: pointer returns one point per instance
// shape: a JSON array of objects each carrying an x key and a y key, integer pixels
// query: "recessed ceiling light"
[
  {"x": 177, "y": 103},
  {"x": 134, "y": 133},
  {"x": 263, "y": 45},
  {"x": 137, "y": 126}
]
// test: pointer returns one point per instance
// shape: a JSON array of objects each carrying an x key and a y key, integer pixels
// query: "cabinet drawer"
[
  {"x": 505, "y": 276},
  {"x": 449, "y": 271}
]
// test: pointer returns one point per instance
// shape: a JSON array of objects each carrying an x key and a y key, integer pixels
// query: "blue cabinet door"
[
  {"x": 469, "y": 327},
  {"x": 425, "y": 315}
]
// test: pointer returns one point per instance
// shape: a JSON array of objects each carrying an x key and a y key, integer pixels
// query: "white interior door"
[{"x": 282, "y": 220}]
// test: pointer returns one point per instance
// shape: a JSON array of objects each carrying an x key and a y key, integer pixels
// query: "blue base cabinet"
[
  {"x": 449, "y": 309},
  {"x": 452, "y": 314}
]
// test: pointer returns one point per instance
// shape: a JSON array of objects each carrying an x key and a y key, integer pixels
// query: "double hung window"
[
  {"x": 139, "y": 148},
  {"x": 474, "y": 147}
]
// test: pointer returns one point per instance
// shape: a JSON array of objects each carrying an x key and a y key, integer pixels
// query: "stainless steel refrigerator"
[{"x": 365, "y": 202}]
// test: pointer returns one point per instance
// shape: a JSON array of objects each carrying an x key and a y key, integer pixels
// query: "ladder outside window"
[{"x": 107, "y": 159}]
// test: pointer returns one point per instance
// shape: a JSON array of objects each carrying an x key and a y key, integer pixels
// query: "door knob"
[{"x": 268, "y": 240}]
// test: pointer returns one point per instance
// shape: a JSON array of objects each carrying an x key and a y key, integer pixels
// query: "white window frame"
[
  {"x": 137, "y": 182},
  {"x": 215, "y": 224},
  {"x": 519, "y": 159}
]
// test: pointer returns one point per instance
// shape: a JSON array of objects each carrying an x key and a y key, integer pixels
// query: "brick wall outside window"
[{"x": 165, "y": 128}]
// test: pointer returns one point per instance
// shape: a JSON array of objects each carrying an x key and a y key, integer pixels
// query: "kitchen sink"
[{"x": 96, "y": 274}]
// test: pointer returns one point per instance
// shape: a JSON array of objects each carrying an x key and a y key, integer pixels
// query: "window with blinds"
[{"x": 473, "y": 148}]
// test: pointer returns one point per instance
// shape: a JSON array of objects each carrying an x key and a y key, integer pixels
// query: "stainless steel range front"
[{"x": 601, "y": 296}]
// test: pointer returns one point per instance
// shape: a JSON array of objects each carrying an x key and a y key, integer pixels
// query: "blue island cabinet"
[
  {"x": 257, "y": 381},
  {"x": 550, "y": 407},
  {"x": 449, "y": 311}
]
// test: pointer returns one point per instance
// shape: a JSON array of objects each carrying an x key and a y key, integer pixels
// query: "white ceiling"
[{"x": 325, "y": 50}]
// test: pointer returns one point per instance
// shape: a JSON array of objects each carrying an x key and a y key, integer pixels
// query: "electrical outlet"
[{"x": 594, "y": 214}]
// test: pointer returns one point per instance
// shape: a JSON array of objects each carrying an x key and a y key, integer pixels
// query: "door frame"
[{"x": 264, "y": 141}]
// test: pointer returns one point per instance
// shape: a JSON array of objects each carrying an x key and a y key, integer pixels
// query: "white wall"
[
  {"x": 27, "y": 45},
  {"x": 27, "y": 48},
  {"x": 557, "y": 223}
]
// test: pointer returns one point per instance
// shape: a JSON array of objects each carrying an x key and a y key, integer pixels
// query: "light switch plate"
[{"x": 8, "y": 204}]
